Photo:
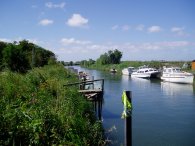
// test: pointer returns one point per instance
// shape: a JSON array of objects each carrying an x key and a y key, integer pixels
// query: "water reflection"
[
  {"x": 174, "y": 89},
  {"x": 135, "y": 79},
  {"x": 97, "y": 104}
]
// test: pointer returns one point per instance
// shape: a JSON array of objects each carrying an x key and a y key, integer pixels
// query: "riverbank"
[
  {"x": 124, "y": 64},
  {"x": 35, "y": 109}
]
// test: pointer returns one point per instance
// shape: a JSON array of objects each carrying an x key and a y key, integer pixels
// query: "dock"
[{"x": 88, "y": 88}]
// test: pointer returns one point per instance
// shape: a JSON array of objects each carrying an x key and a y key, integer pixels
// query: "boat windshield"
[{"x": 176, "y": 70}]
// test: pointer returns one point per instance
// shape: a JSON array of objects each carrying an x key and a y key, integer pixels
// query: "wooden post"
[
  {"x": 102, "y": 85},
  {"x": 92, "y": 78},
  {"x": 128, "y": 125},
  {"x": 99, "y": 109}
]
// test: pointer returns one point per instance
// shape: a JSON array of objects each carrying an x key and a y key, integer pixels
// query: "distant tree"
[
  {"x": 23, "y": 56},
  {"x": 2, "y": 46},
  {"x": 71, "y": 63},
  {"x": 91, "y": 61},
  {"x": 15, "y": 59},
  {"x": 112, "y": 57},
  {"x": 77, "y": 63},
  {"x": 117, "y": 56}
]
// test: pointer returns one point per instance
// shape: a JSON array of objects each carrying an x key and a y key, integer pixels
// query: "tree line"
[
  {"x": 23, "y": 55},
  {"x": 110, "y": 57}
]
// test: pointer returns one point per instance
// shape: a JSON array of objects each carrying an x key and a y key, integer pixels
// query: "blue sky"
[{"x": 82, "y": 29}]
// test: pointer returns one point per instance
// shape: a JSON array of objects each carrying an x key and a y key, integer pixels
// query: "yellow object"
[
  {"x": 125, "y": 101},
  {"x": 127, "y": 106}
]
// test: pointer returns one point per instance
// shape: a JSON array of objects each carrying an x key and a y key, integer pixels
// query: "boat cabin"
[{"x": 172, "y": 70}]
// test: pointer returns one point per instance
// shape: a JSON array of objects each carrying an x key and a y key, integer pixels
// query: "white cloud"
[
  {"x": 5, "y": 40},
  {"x": 51, "y": 5},
  {"x": 82, "y": 49},
  {"x": 179, "y": 31},
  {"x": 77, "y": 21},
  {"x": 125, "y": 27},
  {"x": 176, "y": 29},
  {"x": 72, "y": 41},
  {"x": 154, "y": 29},
  {"x": 46, "y": 22},
  {"x": 140, "y": 27},
  {"x": 114, "y": 27},
  {"x": 174, "y": 44},
  {"x": 18, "y": 39}
]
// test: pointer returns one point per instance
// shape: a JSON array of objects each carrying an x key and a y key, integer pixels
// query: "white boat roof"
[{"x": 171, "y": 67}]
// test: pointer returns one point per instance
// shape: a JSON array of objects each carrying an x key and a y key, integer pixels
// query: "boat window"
[
  {"x": 169, "y": 70},
  {"x": 178, "y": 70}
]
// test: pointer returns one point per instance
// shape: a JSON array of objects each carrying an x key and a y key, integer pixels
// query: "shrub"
[{"x": 35, "y": 109}]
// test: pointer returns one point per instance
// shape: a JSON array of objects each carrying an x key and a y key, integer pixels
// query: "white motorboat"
[
  {"x": 128, "y": 71},
  {"x": 175, "y": 75},
  {"x": 113, "y": 70},
  {"x": 145, "y": 72}
]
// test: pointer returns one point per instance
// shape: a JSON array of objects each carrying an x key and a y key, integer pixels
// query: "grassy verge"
[
  {"x": 124, "y": 64},
  {"x": 35, "y": 109}
]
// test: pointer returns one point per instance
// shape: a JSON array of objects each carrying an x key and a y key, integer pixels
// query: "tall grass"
[{"x": 35, "y": 109}]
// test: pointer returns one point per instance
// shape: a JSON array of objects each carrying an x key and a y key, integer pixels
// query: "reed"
[{"x": 35, "y": 109}]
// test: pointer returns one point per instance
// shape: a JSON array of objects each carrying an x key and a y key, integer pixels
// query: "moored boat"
[
  {"x": 113, "y": 70},
  {"x": 145, "y": 72},
  {"x": 128, "y": 71},
  {"x": 175, "y": 75}
]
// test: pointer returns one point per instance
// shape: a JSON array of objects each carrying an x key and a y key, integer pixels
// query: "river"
[{"x": 163, "y": 113}]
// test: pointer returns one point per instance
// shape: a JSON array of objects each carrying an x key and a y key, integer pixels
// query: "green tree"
[
  {"x": 14, "y": 59},
  {"x": 112, "y": 57},
  {"x": 23, "y": 56},
  {"x": 2, "y": 46},
  {"x": 117, "y": 56}
]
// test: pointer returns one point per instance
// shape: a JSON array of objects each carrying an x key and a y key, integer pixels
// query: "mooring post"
[
  {"x": 92, "y": 78},
  {"x": 102, "y": 85},
  {"x": 128, "y": 124}
]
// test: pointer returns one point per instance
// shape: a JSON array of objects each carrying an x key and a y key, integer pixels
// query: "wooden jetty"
[{"x": 92, "y": 94}]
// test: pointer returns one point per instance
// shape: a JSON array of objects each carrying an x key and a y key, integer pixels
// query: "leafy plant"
[{"x": 35, "y": 109}]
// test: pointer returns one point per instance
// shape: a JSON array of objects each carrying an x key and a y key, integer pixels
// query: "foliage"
[
  {"x": 14, "y": 59},
  {"x": 23, "y": 56},
  {"x": 136, "y": 64},
  {"x": 87, "y": 63},
  {"x": 35, "y": 109},
  {"x": 112, "y": 57}
]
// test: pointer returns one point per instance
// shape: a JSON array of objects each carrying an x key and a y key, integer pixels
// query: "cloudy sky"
[{"x": 82, "y": 29}]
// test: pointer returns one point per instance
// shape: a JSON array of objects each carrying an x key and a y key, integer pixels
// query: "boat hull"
[
  {"x": 138, "y": 75},
  {"x": 178, "y": 79},
  {"x": 128, "y": 71},
  {"x": 146, "y": 75}
]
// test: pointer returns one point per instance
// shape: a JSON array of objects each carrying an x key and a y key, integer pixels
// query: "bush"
[{"x": 35, "y": 109}]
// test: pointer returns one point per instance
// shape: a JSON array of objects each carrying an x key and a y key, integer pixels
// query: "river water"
[{"x": 163, "y": 113}]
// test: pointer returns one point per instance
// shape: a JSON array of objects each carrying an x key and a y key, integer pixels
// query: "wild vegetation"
[
  {"x": 37, "y": 110},
  {"x": 35, "y": 107},
  {"x": 22, "y": 56}
]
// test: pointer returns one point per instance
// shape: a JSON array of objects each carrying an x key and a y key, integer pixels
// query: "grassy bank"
[
  {"x": 124, "y": 64},
  {"x": 35, "y": 109}
]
